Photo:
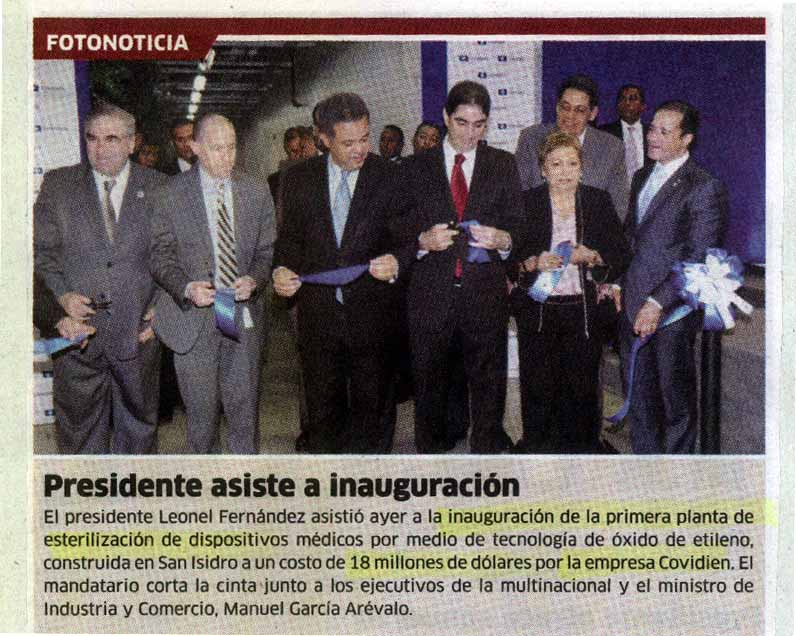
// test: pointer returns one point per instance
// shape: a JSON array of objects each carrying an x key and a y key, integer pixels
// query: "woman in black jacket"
[{"x": 558, "y": 332}]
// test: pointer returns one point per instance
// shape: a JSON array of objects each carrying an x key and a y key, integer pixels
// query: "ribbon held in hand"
[
  {"x": 335, "y": 277},
  {"x": 50, "y": 346},
  {"x": 224, "y": 307},
  {"x": 546, "y": 281},
  {"x": 710, "y": 285},
  {"x": 474, "y": 254}
]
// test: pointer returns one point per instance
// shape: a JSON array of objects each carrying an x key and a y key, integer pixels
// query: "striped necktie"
[
  {"x": 227, "y": 266},
  {"x": 108, "y": 211}
]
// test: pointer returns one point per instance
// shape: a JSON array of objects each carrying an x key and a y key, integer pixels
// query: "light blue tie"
[
  {"x": 342, "y": 202},
  {"x": 648, "y": 193}
]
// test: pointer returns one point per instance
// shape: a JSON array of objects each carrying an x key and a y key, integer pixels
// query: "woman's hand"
[{"x": 547, "y": 261}]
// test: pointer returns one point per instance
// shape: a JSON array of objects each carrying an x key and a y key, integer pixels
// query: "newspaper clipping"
[{"x": 389, "y": 324}]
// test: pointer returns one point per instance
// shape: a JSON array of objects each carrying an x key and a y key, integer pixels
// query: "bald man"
[{"x": 213, "y": 228}]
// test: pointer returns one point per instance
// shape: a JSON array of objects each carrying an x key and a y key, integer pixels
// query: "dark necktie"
[
  {"x": 459, "y": 194},
  {"x": 227, "y": 270},
  {"x": 108, "y": 211}
]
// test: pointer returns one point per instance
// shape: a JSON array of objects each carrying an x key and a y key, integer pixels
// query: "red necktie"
[{"x": 459, "y": 194}]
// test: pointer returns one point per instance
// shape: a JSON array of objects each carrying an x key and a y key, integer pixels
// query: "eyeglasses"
[{"x": 566, "y": 107}]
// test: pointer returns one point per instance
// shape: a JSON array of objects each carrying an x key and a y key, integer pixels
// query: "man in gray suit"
[
  {"x": 603, "y": 154},
  {"x": 678, "y": 211},
  {"x": 91, "y": 245},
  {"x": 213, "y": 228}
]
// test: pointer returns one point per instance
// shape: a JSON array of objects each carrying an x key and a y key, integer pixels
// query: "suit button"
[{"x": 109, "y": 263}]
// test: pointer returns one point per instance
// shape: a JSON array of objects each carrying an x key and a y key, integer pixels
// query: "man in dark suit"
[
  {"x": 213, "y": 228},
  {"x": 451, "y": 299},
  {"x": 677, "y": 212},
  {"x": 391, "y": 143},
  {"x": 291, "y": 142},
  {"x": 182, "y": 138},
  {"x": 603, "y": 154},
  {"x": 630, "y": 103},
  {"x": 337, "y": 214},
  {"x": 91, "y": 246}
]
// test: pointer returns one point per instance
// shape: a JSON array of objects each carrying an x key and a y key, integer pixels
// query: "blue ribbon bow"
[{"x": 710, "y": 285}]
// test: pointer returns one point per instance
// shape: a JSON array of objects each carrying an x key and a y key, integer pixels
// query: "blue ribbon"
[
  {"x": 711, "y": 286},
  {"x": 224, "y": 307},
  {"x": 546, "y": 282},
  {"x": 474, "y": 254},
  {"x": 50, "y": 346},
  {"x": 678, "y": 314},
  {"x": 336, "y": 277}
]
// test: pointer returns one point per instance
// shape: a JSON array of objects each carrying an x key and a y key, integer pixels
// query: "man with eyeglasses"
[
  {"x": 91, "y": 247},
  {"x": 603, "y": 154}
]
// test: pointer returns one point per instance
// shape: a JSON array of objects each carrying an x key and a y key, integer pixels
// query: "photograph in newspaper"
[{"x": 535, "y": 249}]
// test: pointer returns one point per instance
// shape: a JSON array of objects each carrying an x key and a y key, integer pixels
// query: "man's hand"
[
  {"x": 490, "y": 238},
  {"x": 244, "y": 287},
  {"x": 201, "y": 293},
  {"x": 438, "y": 238},
  {"x": 530, "y": 264},
  {"x": 384, "y": 267},
  {"x": 148, "y": 333},
  {"x": 614, "y": 292},
  {"x": 582, "y": 255},
  {"x": 76, "y": 305},
  {"x": 73, "y": 329},
  {"x": 647, "y": 319},
  {"x": 286, "y": 282}
]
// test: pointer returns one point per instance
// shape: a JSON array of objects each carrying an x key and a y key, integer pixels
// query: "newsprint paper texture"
[{"x": 279, "y": 543}]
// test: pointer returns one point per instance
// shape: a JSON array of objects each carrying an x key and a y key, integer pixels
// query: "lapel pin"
[{"x": 139, "y": 194}]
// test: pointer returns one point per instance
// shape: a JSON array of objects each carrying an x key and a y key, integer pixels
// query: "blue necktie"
[{"x": 342, "y": 202}]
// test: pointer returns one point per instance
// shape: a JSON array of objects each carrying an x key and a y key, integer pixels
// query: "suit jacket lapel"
[
  {"x": 638, "y": 186},
  {"x": 133, "y": 195},
  {"x": 197, "y": 212},
  {"x": 593, "y": 162},
  {"x": 439, "y": 176},
  {"x": 320, "y": 185},
  {"x": 88, "y": 200},
  {"x": 477, "y": 184},
  {"x": 671, "y": 186},
  {"x": 358, "y": 211}
]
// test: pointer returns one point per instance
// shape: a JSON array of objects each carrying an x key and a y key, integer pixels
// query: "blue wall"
[{"x": 724, "y": 80}]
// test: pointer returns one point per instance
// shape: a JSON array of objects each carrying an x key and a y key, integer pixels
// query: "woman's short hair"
[{"x": 556, "y": 140}]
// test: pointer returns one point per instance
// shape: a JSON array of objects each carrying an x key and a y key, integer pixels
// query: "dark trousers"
[
  {"x": 559, "y": 378},
  {"x": 663, "y": 411},
  {"x": 346, "y": 383},
  {"x": 169, "y": 388},
  {"x": 104, "y": 405},
  {"x": 483, "y": 352}
]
